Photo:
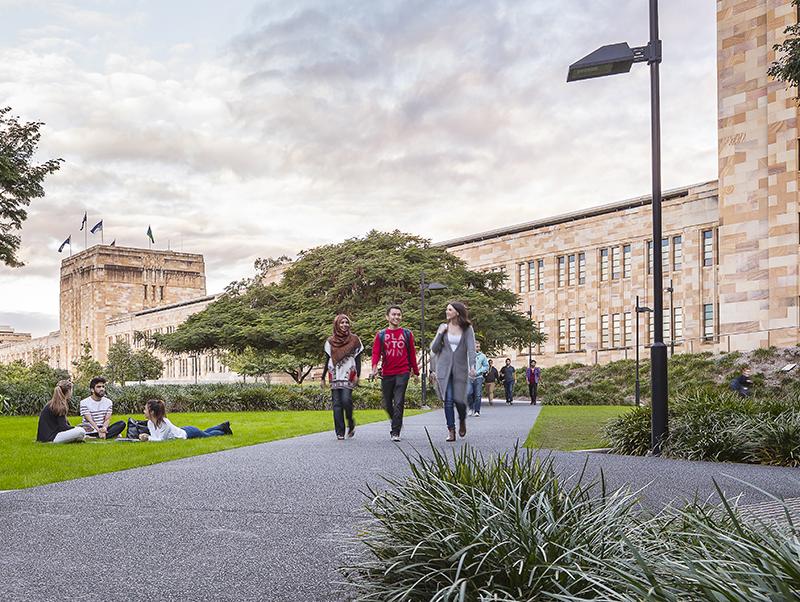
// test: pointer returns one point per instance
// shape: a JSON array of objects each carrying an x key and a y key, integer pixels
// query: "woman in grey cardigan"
[{"x": 452, "y": 364}]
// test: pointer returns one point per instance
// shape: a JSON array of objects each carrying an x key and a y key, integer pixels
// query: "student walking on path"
[
  {"x": 507, "y": 374},
  {"x": 53, "y": 425},
  {"x": 343, "y": 350},
  {"x": 492, "y": 376},
  {"x": 475, "y": 391},
  {"x": 533, "y": 376},
  {"x": 394, "y": 348},
  {"x": 453, "y": 364}
]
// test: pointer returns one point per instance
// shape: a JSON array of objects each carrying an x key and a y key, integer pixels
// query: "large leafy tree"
[
  {"x": 360, "y": 277},
  {"x": 124, "y": 364},
  {"x": 20, "y": 180}
]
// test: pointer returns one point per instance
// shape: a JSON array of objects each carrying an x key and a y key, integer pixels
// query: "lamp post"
[
  {"x": 423, "y": 286},
  {"x": 638, "y": 310},
  {"x": 530, "y": 340},
  {"x": 611, "y": 60},
  {"x": 671, "y": 290}
]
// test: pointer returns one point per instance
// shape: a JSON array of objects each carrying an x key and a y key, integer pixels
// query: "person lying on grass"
[
  {"x": 161, "y": 429},
  {"x": 53, "y": 424}
]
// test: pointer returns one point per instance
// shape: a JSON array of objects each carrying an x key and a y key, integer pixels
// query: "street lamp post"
[
  {"x": 530, "y": 340},
  {"x": 611, "y": 60},
  {"x": 670, "y": 289},
  {"x": 638, "y": 310},
  {"x": 423, "y": 286}
]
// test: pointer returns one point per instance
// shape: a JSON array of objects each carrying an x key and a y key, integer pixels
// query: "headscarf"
[{"x": 342, "y": 342}]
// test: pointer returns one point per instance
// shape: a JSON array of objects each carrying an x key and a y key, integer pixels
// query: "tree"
[
  {"x": 360, "y": 277},
  {"x": 255, "y": 363},
  {"x": 786, "y": 67},
  {"x": 124, "y": 364},
  {"x": 20, "y": 180},
  {"x": 85, "y": 368}
]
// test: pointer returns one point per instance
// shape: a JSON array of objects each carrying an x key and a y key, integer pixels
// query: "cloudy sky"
[{"x": 245, "y": 129}]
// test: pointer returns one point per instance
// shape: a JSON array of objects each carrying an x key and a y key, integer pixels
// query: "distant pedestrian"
[
  {"x": 507, "y": 374},
  {"x": 453, "y": 364},
  {"x": 475, "y": 391},
  {"x": 492, "y": 376},
  {"x": 96, "y": 412},
  {"x": 53, "y": 425},
  {"x": 394, "y": 348},
  {"x": 343, "y": 350},
  {"x": 742, "y": 384},
  {"x": 533, "y": 375}
]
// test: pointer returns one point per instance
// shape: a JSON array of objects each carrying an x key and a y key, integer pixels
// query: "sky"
[{"x": 246, "y": 129}]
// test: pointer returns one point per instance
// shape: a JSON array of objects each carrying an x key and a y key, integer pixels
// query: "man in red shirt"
[{"x": 394, "y": 348}]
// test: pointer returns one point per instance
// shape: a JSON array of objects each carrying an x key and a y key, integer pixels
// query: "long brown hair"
[
  {"x": 157, "y": 411},
  {"x": 59, "y": 402},
  {"x": 463, "y": 314}
]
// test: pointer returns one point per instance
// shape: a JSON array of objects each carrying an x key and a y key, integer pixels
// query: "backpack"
[{"x": 406, "y": 339}]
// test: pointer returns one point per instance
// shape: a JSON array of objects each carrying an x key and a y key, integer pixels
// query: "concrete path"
[{"x": 270, "y": 522}]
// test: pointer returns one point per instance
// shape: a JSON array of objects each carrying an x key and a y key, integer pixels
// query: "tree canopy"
[
  {"x": 786, "y": 67},
  {"x": 20, "y": 180},
  {"x": 359, "y": 277}
]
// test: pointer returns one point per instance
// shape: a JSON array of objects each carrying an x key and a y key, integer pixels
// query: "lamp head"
[{"x": 606, "y": 60}]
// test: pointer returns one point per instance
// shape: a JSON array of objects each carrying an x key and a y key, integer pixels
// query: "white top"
[
  {"x": 343, "y": 374},
  {"x": 454, "y": 340},
  {"x": 97, "y": 409},
  {"x": 165, "y": 431}
]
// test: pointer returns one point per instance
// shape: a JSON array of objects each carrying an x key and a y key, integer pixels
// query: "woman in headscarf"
[{"x": 343, "y": 366}]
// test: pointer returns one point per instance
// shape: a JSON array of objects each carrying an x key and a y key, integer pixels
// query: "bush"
[{"x": 512, "y": 528}]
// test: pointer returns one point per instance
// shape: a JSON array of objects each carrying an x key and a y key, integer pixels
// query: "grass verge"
[
  {"x": 572, "y": 427},
  {"x": 25, "y": 463}
]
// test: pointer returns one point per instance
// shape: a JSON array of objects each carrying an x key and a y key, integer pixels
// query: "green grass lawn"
[
  {"x": 25, "y": 463},
  {"x": 571, "y": 427}
]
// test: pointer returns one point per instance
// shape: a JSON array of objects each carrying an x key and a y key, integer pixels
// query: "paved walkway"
[{"x": 270, "y": 521}]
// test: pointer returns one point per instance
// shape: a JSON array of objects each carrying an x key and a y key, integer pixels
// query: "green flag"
[{"x": 150, "y": 235}]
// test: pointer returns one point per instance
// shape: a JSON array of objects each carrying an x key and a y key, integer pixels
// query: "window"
[
  {"x": 531, "y": 275},
  {"x": 604, "y": 332},
  {"x": 708, "y": 248},
  {"x": 649, "y": 256},
  {"x": 628, "y": 329},
  {"x": 581, "y": 333},
  {"x": 562, "y": 335},
  {"x": 581, "y": 268},
  {"x": 667, "y": 335},
  {"x": 678, "y": 323},
  {"x": 161, "y": 293},
  {"x": 665, "y": 254},
  {"x": 615, "y": 263},
  {"x": 708, "y": 321},
  {"x": 521, "y": 273},
  {"x": 616, "y": 330},
  {"x": 626, "y": 261},
  {"x": 572, "y": 335},
  {"x": 603, "y": 264},
  {"x": 145, "y": 292},
  {"x": 541, "y": 330},
  {"x": 562, "y": 266},
  {"x": 677, "y": 252},
  {"x": 571, "y": 269},
  {"x": 540, "y": 274}
]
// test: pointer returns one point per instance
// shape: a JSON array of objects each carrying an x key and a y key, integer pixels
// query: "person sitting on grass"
[
  {"x": 53, "y": 424},
  {"x": 161, "y": 429},
  {"x": 742, "y": 384},
  {"x": 96, "y": 412}
]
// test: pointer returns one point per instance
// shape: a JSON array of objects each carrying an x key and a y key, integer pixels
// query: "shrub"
[{"x": 629, "y": 433}]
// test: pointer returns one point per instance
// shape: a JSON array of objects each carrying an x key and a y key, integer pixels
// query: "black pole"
[
  {"x": 530, "y": 341},
  {"x": 658, "y": 351},
  {"x": 671, "y": 321},
  {"x": 422, "y": 335},
  {"x": 637, "y": 392}
]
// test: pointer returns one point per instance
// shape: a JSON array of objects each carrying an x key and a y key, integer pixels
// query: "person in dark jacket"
[
  {"x": 492, "y": 376},
  {"x": 742, "y": 383},
  {"x": 53, "y": 425},
  {"x": 507, "y": 373}
]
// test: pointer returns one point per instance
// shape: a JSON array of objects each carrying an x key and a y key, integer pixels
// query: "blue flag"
[
  {"x": 83, "y": 223},
  {"x": 65, "y": 243},
  {"x": 96, "y": 227}
]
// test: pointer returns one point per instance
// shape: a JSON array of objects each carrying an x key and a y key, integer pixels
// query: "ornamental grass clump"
[{"x": 512, "y": 528}]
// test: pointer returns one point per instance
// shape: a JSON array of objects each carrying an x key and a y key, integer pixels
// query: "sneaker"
[
  {"x": 477, "y": 414},
  {"x": 226, "y": 427},
  {"x": 351, "y": 432},
  {"x": 395, "y": 438},
  {"x": 471, "y": 413},
  {"x": 340, "y": 437}
]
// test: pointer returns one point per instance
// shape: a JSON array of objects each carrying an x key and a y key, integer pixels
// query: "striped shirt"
[{"x": 98, "y": 410}]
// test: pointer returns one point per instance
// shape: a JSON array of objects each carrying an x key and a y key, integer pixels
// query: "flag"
[
  {"x": 150, "y": 235},
  {"x": 65, "y": 243},
  {"x": 113, "y": 243},
  {"x": 96, "y": 227},
  {"x": 83, "y": 223}
]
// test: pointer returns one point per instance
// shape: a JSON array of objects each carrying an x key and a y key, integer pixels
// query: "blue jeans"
[
  {"x": 192, "y": 432},
  {"x": 474, "y": 393},
  {"x": 449, "y": 414},
  {"x": 509, "y": 387}
]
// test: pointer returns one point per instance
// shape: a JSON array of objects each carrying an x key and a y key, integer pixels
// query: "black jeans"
[
  {"x": 394, "y": 399},
  {"x": 509, "y": 387},
  {"x": 342, "y": 407},
  {"x": 114, "y": 429},
  {"x": 532, "y": 390}
]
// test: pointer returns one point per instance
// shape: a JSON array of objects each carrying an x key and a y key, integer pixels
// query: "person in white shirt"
[
  {"x": 161, "y": 429},
  {"x": 96, "y": 412}
]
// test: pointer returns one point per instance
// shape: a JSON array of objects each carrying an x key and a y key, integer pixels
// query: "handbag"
[{"x": 136, "y": 428}]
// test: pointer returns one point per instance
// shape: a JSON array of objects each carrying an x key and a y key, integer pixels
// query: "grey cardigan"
[{"x": 445, "y": 361}]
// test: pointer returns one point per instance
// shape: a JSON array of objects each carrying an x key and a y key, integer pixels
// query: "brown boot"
[
  {"x": 452, "y": 435},
  {"x": 462, "y": 427}
]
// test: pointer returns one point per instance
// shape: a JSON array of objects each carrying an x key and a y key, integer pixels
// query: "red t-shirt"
[{"x": 395, "y": 354}]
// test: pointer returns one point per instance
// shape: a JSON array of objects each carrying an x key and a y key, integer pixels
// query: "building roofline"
[
  {"x": 152, "y": 310},
  {"x": 632, "y": 203},
  {"x": 94, "y": 249}
]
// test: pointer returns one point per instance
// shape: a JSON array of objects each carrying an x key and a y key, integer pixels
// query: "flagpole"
[{"x": 85, "y": 236}]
